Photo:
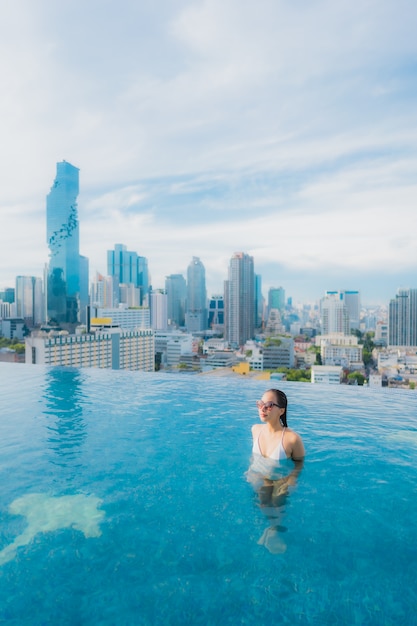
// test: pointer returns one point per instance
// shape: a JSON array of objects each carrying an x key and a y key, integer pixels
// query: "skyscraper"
[
  {"x": 216, "y": 312},
  {"x": 240, "y": 300},
  {"x": 29, "y": 300},
  {"x": 259, "y": 302},
  {"x": 159, "y": 309},
  {"x": 352, "y": 303},
  {"x": 196, "y": 318},
  {"x": 402, "y": 320},
  {"x": 129, "y": 268},
  {"x": 104, "y": 292},
  {"x": 123, "y": 264},
  {"x": 334, "y": 314},
  {"x": 276, "y": 298},
  {"x": 176, "y": 289},
  {"x": 67, "y": 275}
]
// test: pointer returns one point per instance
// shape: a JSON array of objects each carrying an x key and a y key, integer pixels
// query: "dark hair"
[{"x": 282, "y": 403}]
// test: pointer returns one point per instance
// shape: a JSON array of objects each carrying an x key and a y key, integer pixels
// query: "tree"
[{"x": 356, "y": 378}]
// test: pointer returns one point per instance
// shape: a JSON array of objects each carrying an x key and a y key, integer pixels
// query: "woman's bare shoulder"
[
  {"x": 296, "y": 444},
  {"x": 256, "y": 428}
]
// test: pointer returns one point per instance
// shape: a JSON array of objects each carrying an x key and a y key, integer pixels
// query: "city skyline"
[{"x": 283, "y": 131}]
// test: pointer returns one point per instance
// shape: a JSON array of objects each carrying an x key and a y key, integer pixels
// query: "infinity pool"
[{"x": 124, "y": 500}]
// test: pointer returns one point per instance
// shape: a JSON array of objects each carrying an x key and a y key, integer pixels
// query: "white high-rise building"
[
  {"x": 334, "y": 314},
  {"x": 350, "y": 300},
  {"x": 239, "y": 300},
  {"x": 104, "y": 291},
  {"x": 159, "y": 309}
]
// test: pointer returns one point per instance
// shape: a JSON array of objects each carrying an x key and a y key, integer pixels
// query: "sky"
[{"x": 285, "y": 129}]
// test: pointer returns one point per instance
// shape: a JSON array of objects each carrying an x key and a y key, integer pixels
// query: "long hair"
[{"x": 282, "y": 403}]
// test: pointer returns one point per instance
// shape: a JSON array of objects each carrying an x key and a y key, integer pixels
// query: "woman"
[
  {"x": 277, "y": 459},
  {"x": 273, "y": 439}
]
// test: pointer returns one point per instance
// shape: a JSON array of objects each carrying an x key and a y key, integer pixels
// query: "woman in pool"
[
  {"x": 273, "y": 439},
  {"x": 277, "y": 459}
]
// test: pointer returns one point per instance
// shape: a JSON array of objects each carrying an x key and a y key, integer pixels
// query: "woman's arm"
[{"x": 298, "y": 452}]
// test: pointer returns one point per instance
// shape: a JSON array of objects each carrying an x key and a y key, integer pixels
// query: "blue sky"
[{"x": 284, "y": 129}]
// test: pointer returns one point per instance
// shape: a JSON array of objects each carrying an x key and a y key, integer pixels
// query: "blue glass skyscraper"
[
  {"x": 176, "y": 290},
  {"x": 67, "y": 271},
  {"x": 129, "y": 268}
]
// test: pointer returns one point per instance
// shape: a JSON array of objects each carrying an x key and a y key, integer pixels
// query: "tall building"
[
  {"x": 402, "y": 320},
  {"x": 216, "y": 313},
  {"x": 129, "y": 294},
  {"x": 259, "y": 302},
  {"x": 159, "y": 309},
  {"x": 7, "y": 295},
  {"x": 276, "y": 298},
  {"x": 129, "y": 268},
  {"x": 30, "y": 300},
  {"x": 67, "y": 274},
  {"x": 352, "y": 302},
  {"x": 123, "y": 264},
  {"x": 240, "y": 300},
  {"x": 104, "y": 292},
  {"x": 334, "y": 314},
  {"x": 176, "y": 289},
  {"x": 143, "y": 280},
  {"x": 196, "y": 317}
]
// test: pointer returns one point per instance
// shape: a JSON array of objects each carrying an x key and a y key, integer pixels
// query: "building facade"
[
  {"x": 125, "y": 317},
  {"x": 176, "y": 290},
  {"x": 276, "y": 298},
  {"x": 340, "y": 311},
  {"x": 402, "y": 319},
  {"x": 326, "y": 374},
  {"x": 196, "y": 317},
  {"x": 110, "y": 349},
  {"x": 104, "y": 292},
  {"x": 129, "y": 269},
  {"x": 334, "y": 314},
  {"x": 216, "y": 313},
  {"x": 159, "y": 309},
  {"x": 67, "y": 273},
  {"x": 30, "y": 300},
  {"x": 240, "y": 300}
]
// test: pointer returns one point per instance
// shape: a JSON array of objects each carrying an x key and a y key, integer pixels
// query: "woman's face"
[{"x": 268, "y": 409}]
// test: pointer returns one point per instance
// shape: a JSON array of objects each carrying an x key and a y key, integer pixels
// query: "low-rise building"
[
  {"x": 278, "y": 352},
  {"x": 219, "y": 359},
  {"x": 113, "y": 349},
  {"x": 125, "y": 317},
  {"x": 339, "y": 349},
  {"x": 326, "y": 374}
]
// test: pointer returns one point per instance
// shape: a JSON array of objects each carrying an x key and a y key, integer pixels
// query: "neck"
[{"x": 274, "y": 426}]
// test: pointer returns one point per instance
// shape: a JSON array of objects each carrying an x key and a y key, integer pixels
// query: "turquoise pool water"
[{"x": 124, "y": 500}]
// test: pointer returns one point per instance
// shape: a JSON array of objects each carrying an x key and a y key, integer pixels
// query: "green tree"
[
  {"x": 356, "y": 376},
  {"x": 294, "y": 375}
]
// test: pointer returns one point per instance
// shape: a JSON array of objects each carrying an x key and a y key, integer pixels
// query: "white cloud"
[{"x": 204, "y": 128}]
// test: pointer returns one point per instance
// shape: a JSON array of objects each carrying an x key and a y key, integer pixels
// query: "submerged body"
[{"x": 277, "y": 459}]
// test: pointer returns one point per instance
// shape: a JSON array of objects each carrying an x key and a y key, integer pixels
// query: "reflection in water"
[
  {"x": 271, "y": 481},
  {"x": 63, "y": 396}
]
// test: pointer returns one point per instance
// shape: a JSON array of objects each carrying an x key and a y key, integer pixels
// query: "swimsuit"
[{"x": 278, "y": 454}]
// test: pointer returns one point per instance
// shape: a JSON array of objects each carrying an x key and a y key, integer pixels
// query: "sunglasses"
[{"x": 267, "y": 406}]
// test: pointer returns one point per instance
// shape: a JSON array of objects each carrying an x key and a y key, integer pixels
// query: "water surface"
[{"x": 130, "y": 494}]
